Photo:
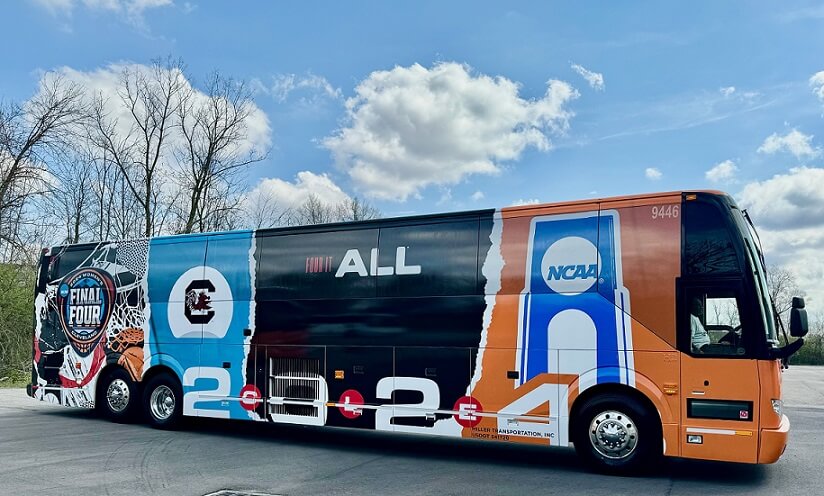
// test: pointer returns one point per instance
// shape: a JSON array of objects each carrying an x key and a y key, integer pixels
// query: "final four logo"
[{"x": 84, "y": 300}]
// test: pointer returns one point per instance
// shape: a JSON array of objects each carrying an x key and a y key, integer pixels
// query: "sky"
[{"x": 425, "y": 107}]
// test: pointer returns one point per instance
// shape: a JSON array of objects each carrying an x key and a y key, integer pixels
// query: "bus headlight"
[{"x": 778, "y": 407}]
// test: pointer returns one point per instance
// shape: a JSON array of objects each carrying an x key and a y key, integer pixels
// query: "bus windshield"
[{"x": 755, "y": 259}]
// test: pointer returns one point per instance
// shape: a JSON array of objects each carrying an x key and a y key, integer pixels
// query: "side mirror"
[
  {"x": 798, "y": 319},
  {"x": 43, "y": 272}
]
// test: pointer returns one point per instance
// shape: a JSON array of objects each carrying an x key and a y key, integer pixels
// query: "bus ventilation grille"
[{"x": 295, "y": 382}]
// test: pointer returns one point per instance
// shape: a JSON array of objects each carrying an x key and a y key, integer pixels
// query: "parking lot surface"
[{"x": 47, "y": 450}]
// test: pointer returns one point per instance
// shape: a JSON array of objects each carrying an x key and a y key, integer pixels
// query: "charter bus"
[{"x": 632, "y": 328}]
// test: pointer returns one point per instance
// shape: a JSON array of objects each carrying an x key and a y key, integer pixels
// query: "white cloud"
[
  {"x": 653, "y": 174},
  {"x": 412, "y": 127},
  {"x": 105, "y": 83},
  {"x": 478, "y": 195},
  {"x": 795, "y": 142},
  {"x": 788, "y": 210},
  {"x": 520, "y": 202},
  {"x": 722, "y": 172},
  {"x": 291, "y": 195},
  {"x": 787, "y": 201},
  {"x": 817, "y": 84},
  {"x": 595, "y": 79},
  {"x": 283, "y": 85},
  {"x": 727, "y": 90}
]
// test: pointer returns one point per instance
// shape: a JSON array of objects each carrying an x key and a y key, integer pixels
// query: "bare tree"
[
  {"x": 782, "y": 286},
  {"x": 137, "y": 144},
  {"x": 313, "y": 211},
  {"x": 354, "y": 209},
  {"x": 214, "y": 154},
  {"x": 263, "y": 211},
  {"x": 70, "y": 197},
  {"x": 30, "y": 135}
]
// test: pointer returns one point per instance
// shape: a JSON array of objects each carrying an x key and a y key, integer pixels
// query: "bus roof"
[{"x": 511, "y": 211}]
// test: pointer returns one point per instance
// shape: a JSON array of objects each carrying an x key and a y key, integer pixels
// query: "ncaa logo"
[
  {"x": 568, "y": 266},
  {"x": 200, "y": 304}
]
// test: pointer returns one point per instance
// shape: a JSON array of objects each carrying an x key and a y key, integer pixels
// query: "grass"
[{"x": 14, "y": 381}]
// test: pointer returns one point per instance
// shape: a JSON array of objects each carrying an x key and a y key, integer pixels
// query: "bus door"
[
  {"x": 219, "y": 301},
  {"x": 719, "y": 374}
]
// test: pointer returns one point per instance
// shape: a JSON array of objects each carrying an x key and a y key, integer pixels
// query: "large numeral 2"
[{"x": 221, "y": 391}]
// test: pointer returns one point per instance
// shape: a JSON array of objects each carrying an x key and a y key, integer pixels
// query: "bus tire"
[
  {"x": 615, "y": 433},
  {"x": 118, "y": 396},
  {"x": 163, "y": 402}
]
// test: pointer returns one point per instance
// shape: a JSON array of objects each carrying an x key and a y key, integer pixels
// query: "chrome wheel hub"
[
  {"x": 162, "y": 402},
  {"x": 613, "y": 434},
  {"x": 117, "y": 395}
]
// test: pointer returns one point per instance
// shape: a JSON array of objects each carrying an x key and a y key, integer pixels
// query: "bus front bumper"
[{"x": 774, "y": 442}]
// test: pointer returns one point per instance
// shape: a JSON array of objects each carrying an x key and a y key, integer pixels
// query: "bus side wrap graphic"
[{"x": 574, "y": 301}]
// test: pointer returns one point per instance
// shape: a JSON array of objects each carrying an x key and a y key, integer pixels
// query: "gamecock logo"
[
  {"x": 200, "y": 304},
  {"x": 198, "y": 307}
]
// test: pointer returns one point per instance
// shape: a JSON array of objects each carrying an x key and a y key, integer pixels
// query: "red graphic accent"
[
  {"x": 98, "y": 359},
  {"x": 315, "y": 265},
  {"x": 353, "y": 400},
  {"x": 249, "y": 396},
  {"x": 36, "y": 350},
  {"x": 468, "y": 407},
  {"x": 744, "y": 414}
]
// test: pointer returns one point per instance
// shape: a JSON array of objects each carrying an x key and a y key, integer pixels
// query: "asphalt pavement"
[{"x": 47, "y": 450}]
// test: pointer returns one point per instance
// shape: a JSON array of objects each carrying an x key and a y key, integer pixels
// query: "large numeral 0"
[
  {"x": 224, "y": 383},
  {"x": 385, "y": 414}
]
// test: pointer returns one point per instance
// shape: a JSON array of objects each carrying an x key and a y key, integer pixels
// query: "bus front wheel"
[
  {"x": 117, "y": 396},
  {"x": 617, "y": 433},
  {"x": 163, "y": 401}
]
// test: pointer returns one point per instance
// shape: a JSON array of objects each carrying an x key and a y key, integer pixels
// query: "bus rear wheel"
[
  {"x": 615, "y": 433},
  {"x": 117, "y": 396},
  {"x": 163, "y": 402}
]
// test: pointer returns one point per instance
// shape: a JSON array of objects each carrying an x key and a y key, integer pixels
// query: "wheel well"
[
  {"x": 106, "y": 370},
  {"x": 601, "y": 389},
  {"x": 156, "y": 371}
]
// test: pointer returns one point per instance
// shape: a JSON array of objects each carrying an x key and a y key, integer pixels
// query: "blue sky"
[{"x": 724, "y": 86}]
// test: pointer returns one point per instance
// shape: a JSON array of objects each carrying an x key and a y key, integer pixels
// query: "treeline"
[
  {"x": 812, "y": 353},
  {"x": 154, "y": 155},
  {"x": 16, "y": 322}
]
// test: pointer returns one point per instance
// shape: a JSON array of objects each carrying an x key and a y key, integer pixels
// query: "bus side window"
[
  {"x": 323, "y": 265},
  {"x": 430, "y": 259},
  {"x": 714, "y": 323},
  {"x": 67, "y": 261}
]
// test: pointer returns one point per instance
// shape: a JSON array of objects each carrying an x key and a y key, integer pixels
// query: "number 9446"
[{"x": 666, "y": 211}]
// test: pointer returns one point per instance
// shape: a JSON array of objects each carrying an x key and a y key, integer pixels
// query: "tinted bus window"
[
  {"x": 708, "y": 246},
  {"x": 69, "y": 260},
  {"x": 308, "y": 265},
  {"x": 429, "y": 259}
]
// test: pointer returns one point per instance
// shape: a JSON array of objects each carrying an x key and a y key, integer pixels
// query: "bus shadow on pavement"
[{"x": 719, "y": 474}]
